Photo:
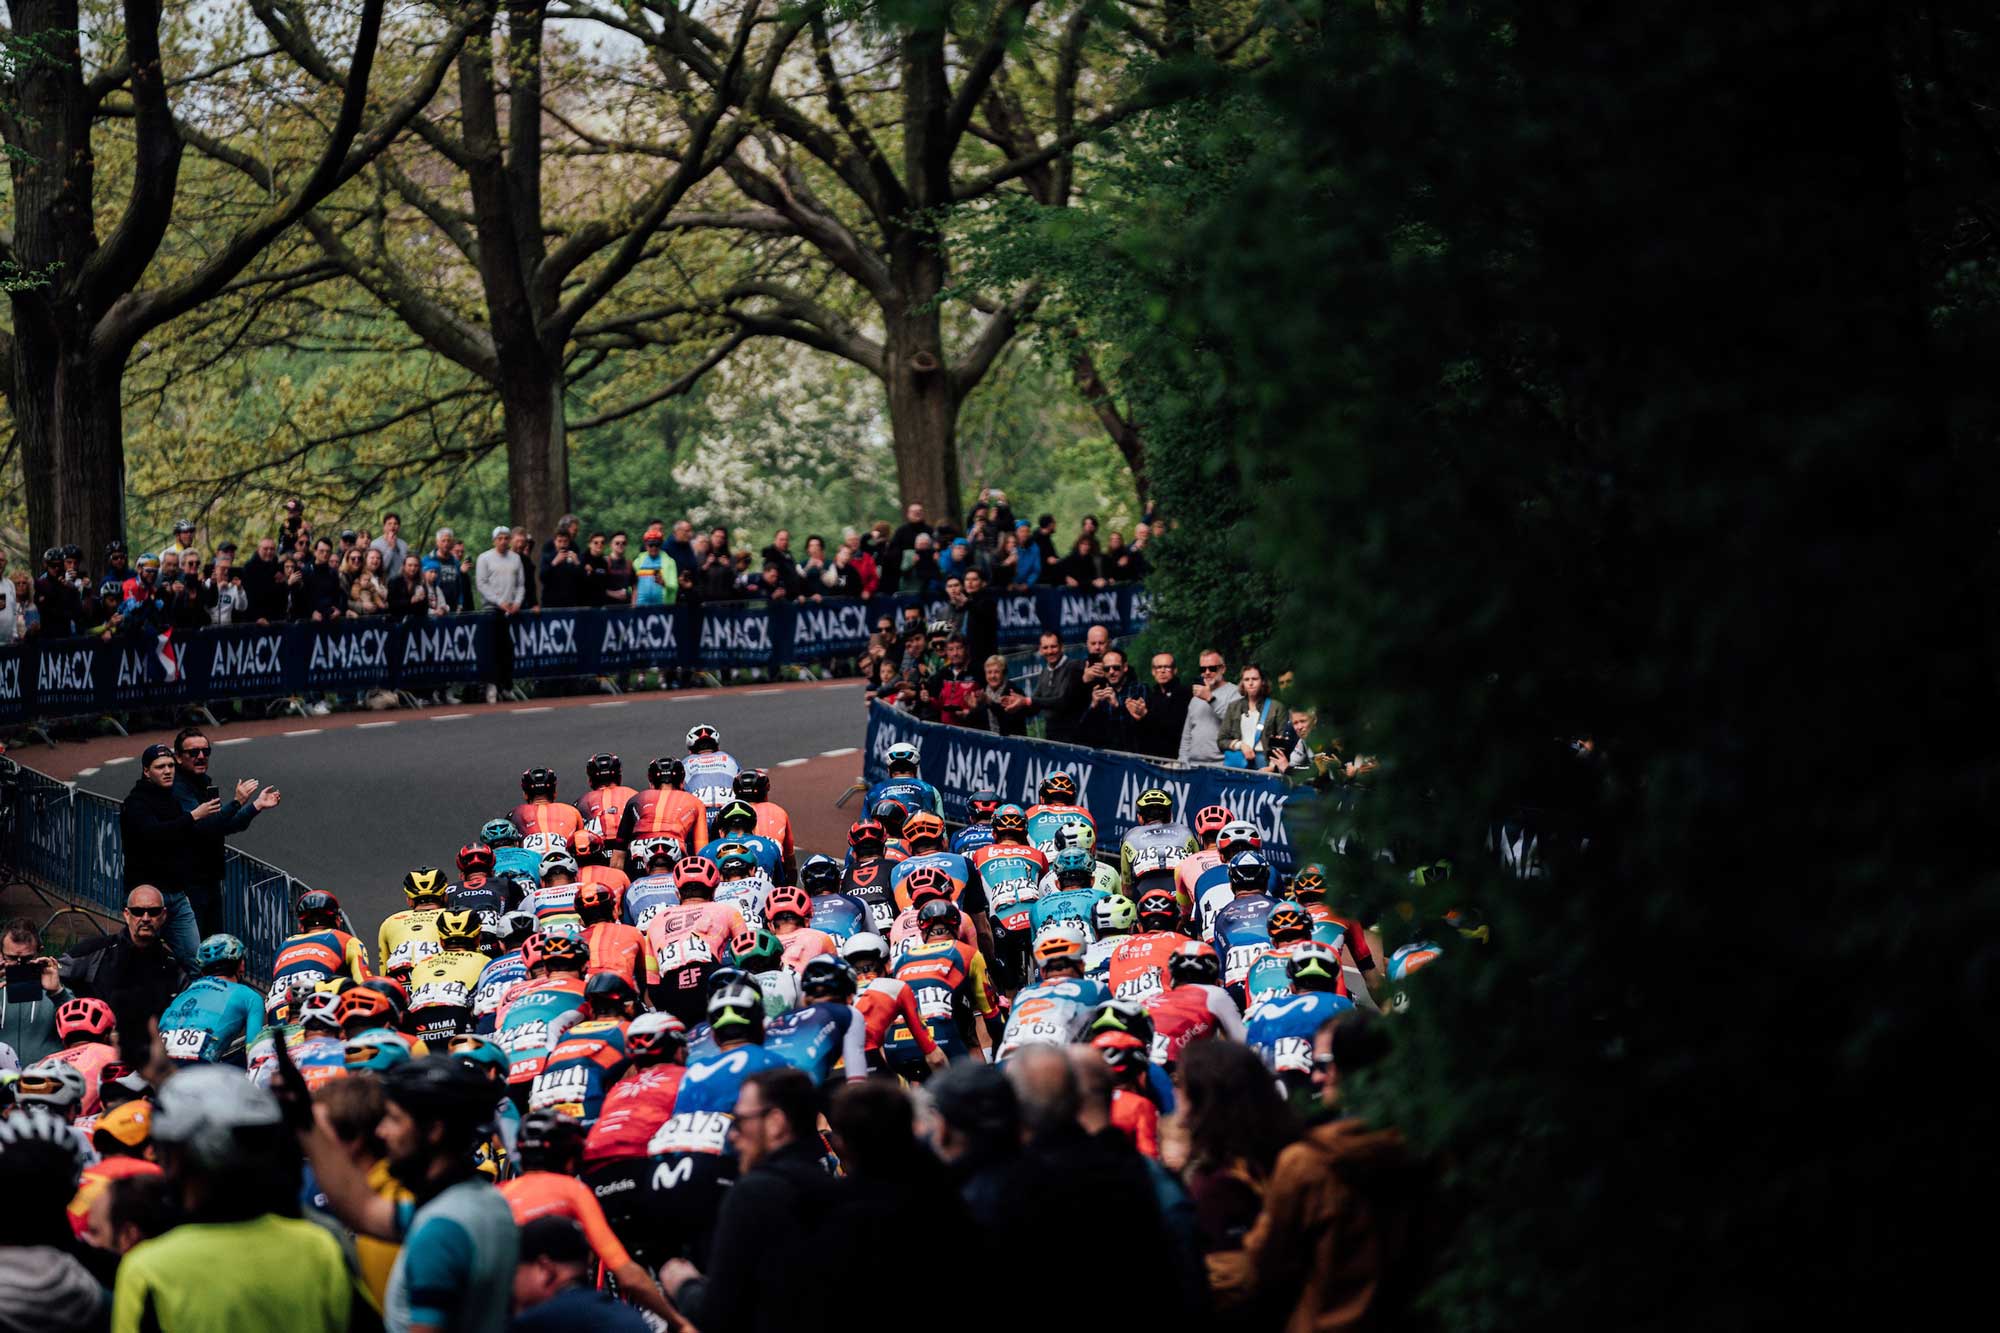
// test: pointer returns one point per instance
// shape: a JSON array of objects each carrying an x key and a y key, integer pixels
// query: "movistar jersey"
[
  {"x": 705, "y": 1105},
  {"x": 912, "y": 792},
  {"x": 768, "y": 853},
  {"x": 1281, "y": 1030}
]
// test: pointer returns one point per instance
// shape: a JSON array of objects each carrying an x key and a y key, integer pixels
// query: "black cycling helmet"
[
  {"x": 890, "y": 814},
  {"x": 1249, "y": 871},
  {"x": 820, "y": 875},
  {"x": 737, "y": 816},
  {"x": 1194, "y": 963},
  {"x": 442, "y": 1088},
  {"x": 982, "y": 804},
  {"x": 667, "y": 772},
  {"x": 317, "y": 907},
  {"x": 73, "y": 552},
  {"x": 539, "y": 782},
  {"x": 550, "y": 1141},
  {"x": 609, "y": 988},
  {"x": 603, "y": 769},
  {"x": 827, "y": 973},
  {"x": 116, "y": 546},
  {"x": 938, "y": 912},
  {"x": 752, "y": 785},
  {"x": 52, "y": 556}
]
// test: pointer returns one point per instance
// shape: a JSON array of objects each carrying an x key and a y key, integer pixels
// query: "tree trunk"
[
  {"x": 531, "y": 403},
  {"x": 923, "y": 406},
  {"x": 1124, "y": 432}
]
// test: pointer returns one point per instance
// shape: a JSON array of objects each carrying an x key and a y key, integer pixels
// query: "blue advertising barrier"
[
  {"x": 43, "y": 680},
  {"x": 959, "y": 761}
]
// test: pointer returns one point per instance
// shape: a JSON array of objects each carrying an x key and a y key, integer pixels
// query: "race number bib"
[
  {"x": 557, "y": 1089},
  {"x": 545, "y": 842},
  {"x": 692, "y": 1131},
  {"x": 1140, "y": 986},
  {"x": 934, "y": 1004},
  {"x": 410, "y": 952},
  {"x": 684, "y": 951},
  {"x": 442, "y": 994},
  {"x": 1236, "y": 963},
  {"x": 186, "y": 1044}
]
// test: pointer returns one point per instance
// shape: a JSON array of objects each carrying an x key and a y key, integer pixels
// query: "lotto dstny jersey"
[
  {"x": 407, "y": 936},
  {"x": 580, "y": 1070},
  {"x": 955, "y": 867},
  {"x": 841, "y": 915},
  {"x": 1241, "y": 933},
  {"x": 1012, "y": 873},
  {"x": 747, "y": 896},
  {"x": 817, "y": 1036},
  {"x": 709, "y": 779},
  {"x": 212, "y": 1021},
  {"x": 868, "y": 882},
  {"x": 1281, "y": 1030},
  {"x": 517, "y": 861},
  {"x": 705, "y": 1105},
  {"x": 972, "y": 837},
  {"x": 645, "y": 896},
  {"x": 1103, "y": 879},
  {"x": 1050, "y": 1013},
  {"x": 1044, "y": 820},
  {"x": 314, "y": 956},
  {"x": 912, "y": 792},
  {"x": 1411, "y": 957},
  {"x": 447, "y": 979},
  {"x": 1153, "y": 850},
  {"x": 534, "y": 1020},
  {"x": 499, "y": 977},
  {"x": 768, "y": 853},
  {"x": 1066, "y": 905},
  {"x": 1268, "y": 977}
]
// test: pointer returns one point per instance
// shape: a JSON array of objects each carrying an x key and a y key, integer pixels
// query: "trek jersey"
[
  {"x": 906, "y": 935},
  {"x": 1011, "y": 874},
  {"x": 971, "y": 838},
  {"x": 633, "y": 1108},
  {"x": 1188, "y": 1013},
  {"x": 709, "y": 780},
  {"x": 770, "y": 856},
  {"x": 602, "y": 808},
  {"x": 667, "y": 811},
  {"x": 1049, "y": 1013},
  {"x": 868, "y": 883},
  {"x": 456, "y": 1269},
  {"x": 948, "y": 993},
  {"x": 704, "y": 1106},
  {"x": 1281, "y": 1030},
  {"x": 211, "y": 1022},
  {"x": 1044, "y": 820},
  {"x": 580, "y": 1070},
  {"x": 407, "y": 936},
  {"x": 1073, "y": 905},
  {"x": 546, "y": 817},
  {"x": 646, "y": 896},
  {"x": 536, "y": 1194},
  {"x": 499, "y": 977},
  {"x": 914, "y": 793},
  {"x": 817, "y": 1036},
  {"x": 1152, "y": 851},
  {"x": 841, "y": 915},
  {"x": 1241, "y": 933},
  {"x": 534, "y": 1021},
  {"x": 1138, "y": 969},
  {"x": 314, "y": 956},
  {"x": 886, "y": 1002}
]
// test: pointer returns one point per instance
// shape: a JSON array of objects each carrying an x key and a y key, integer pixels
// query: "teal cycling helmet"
[
  {"x": 1072, "y": 862},
  {"x": 735, "y": 855},
  {"x": 377, "y": 1049},
  {"x": 500, "y": 833},
  {"x": 756, "y": 950},
  {"x": 480, "y": 1052},
  {"x": 219, "y": 952}
]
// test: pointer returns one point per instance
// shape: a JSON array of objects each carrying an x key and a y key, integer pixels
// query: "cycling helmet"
[
  {"x": 1210, "y": 820},
  {"x": 377, "y": 1049},
  {"x": 655, "y": 1036},
  {"x": 71, "y": 551},
  {"x": 1313, "y": 966},
  {"x": 205, "y": 1111},
  {"x": 663, "y": 847},
  {"x": 317, "y": 908},
  {"x": 609, "y": 988},
  {"x": 549, "y": 1141},
  {"x": 1074, "y": 865},
  {"x": 1057, "y": 789},
  {"x": 666, "y": 772},
  {"x": 424, "y": 884},
  {"x": 890, "y": 814},
  {"x": 442, "y": 1088},
  {"x": 1122, "y": 1052},
  {"x": 982, "y": 804},
  {"x": 1062, "y": 940},
  {"x": 788, "y": 899},
  {"x": 595, "y": 901},
  {"x": 1249, "y": 871},
  {"x": 702, "y": 736},
  {"x": 52, "y": 556},
  {"x": 735, "y": 1005},
  {"x": 564, "y": 950},
  {"x": 500, "y": 833},
  {"x": 903, "y": 755},
  {"x": 1159, "y": 910},
  {"x": 1309, "y": 885},
  {"x": 516, "y": 927},
  {"x": 820, "y": 875},
  {"x": 479, "y": 1052},
  {"x": 147, "y": 560},
  {"x": 736, "y": 816},
  {"x": 935, "y": 914},
  {"x": 586, "y": 845},
  {"x": 1154, "y": 805},
  {"x": 84, "y": 1018},
  {"x": 116, "y": 546},
  {"x": 219, "y": 952},
  {"x": 752, "y": 785},
  {"x": 927, "y": 883},
  {"x": 725, "y": 976},
  {"x": 603, "y": 769},
  {"x": 1239, "y": 836},
  {"x": 865, "y": 944},
  {"x": 1121, "y": 1016},
  {"x": 557, "y": 859},
  {"x": 111, "y": 588},
  {"x": 734, "y": 856},
  {"x": 866, "y": 830},
  {"x": 827, "y": 975},
  {"x": 1075, "y": 833},
  {"x": 925, "y": 827},
  {"x": 1194, "y": 963},
  {"x": 697, "y": 872},
  {"x": 458, "y": 930},
  {"x": 756, "y": 950},
  {"x": 54, "y": 1083},
  {"x": 64, "y": 1153},
  {"x": 1010, "y": 820},
  {"x": 1288, "y": 921},
  {"x": 365, "y": 1004},
  {"x": 319, "y": 1009},
  {"x": 539, "y": 782},
  {"x": 1114, "y": 915}
]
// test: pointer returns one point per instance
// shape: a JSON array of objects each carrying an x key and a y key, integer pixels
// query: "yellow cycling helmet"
[{"x": 425, "y": 882}]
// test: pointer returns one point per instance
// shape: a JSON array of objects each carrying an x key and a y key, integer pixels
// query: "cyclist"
[
  {"x": 827, "y": 1029},
  {"x": 924, "y": 833},
  {"x": 542, "y": 814},
  {"x": 541, "y": 1008},
  {"x": 554, "y": 903},
  {"x": 363, "y": 1009},
  {"x": 503, "y": 973},
  {"x": 550, "y": 1147},
  {"x": 980, "y": 808},
  {"x": 478, "y": 889},
  {"x": 214, "y": 1019},
  {"x": 890, "y": 812},
  {"x": 686, "y": 941},
  {"x": 55, "y": 1087},
  {"x": 1078, "y": 835},
  {"x": 653, "y": 860},
  {"x": 903, "y": 762},
  {"x": 1213, "y": 890},
  {"x": 1194, "y": 1005},
  {"x": 509, "y": 856},
  {"x": 1423, "y": 949},
  {"x": 603, "y": 806},
  {"x": 1242, "y": 925},
  {"x": 790, "y": 909},
  {"x": 1119, "y": 1016},
  {"x": 593, "y": 865},
  {"x": 591, "y": 1055},
  {"x": 616, "y": 1164},
  {"x": 319, "y": 1052},
  {"x": 123, "y": 1141},
  {"x": 735, "y": 824},
  {"x": 667, "y": 810},
  {"x": 1073, "y": 896},
  {"x": 1344, "y": 935},
  {"x": 869, "y": 871},
  {"x": 1111, "y": 920},
  {"x": 612, "y": 945},
  {"x": 744, "y": 884},
  {"x": 1209, "y": 821},
  {"x": 1055, "y": 805},
  {"x": 759, "y": 953},
  {"x": 442, "y": 985},
  {"x": 1138, "y": 968},
  {"x": 1281, "y": 1029},
  {"x": 950, "y": 987},
  {"x": 1270, "y": 975},
  {"x": 841, "y": 915},
  {"x": 773, "y": 820},
  {"x": 89, "y": 1036},
  {"x": 1152, "y": 848},
  {"x": 1053, "y": 1010},
  {"x": 929, "y": 885},
  {"x": 319, "y": 950},
  {"x": 1133, "y": 1113},
  {"x": 375, "y": 1049},
  {"x": 885, "y": 1001},
  {"x": 711, "y": 770},
  {"x": 411, "y": 934},
  {"x": 1010, "y": 871}
]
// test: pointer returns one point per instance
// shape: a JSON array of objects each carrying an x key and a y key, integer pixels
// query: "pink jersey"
[
  {"x": 805, "y": 944},
  {"x": 715, "y": 923}
]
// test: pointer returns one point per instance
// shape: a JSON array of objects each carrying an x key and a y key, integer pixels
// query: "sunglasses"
[
  {"x": 1208, "y": 669},
  {"x": 193, "y": 752},
  {"x": 145, "y": 911}
]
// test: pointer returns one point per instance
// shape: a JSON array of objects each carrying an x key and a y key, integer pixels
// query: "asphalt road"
[{"x": 366, "y": 797}]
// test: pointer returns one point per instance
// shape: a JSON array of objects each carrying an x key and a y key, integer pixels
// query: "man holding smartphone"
[{"x": 34, "y": 991}]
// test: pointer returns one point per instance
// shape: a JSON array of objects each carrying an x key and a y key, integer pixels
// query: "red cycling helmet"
[
  {"x": 697, "y": 870},
  {"x": 786, "y": 898},
  {"x": 84, "y": 1018},
  {"x": 928, "y": 882},
  {"x": 531, "y": 950},
  {"x": 866, "y": 830},
  {"x": 475, "y": 856},
  {"x": 653, "y": 1034},
  {"x": 1208, "y": 820},
  {"x": 363, "y": 1003}
]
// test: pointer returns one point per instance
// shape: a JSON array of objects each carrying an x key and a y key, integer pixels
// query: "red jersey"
[
  {"x": 548, "y": 1194},
  {"x": 1185, "y": 1014},
  {"x": 774, "y": 823},
  {"x": 615, "y": 947},
  {"x": 97, "y": 1178},
  {"x": 634, "y": 1110},
  {"x": 602, "y": 808},
  {"x": 548, "y": 817},
  {"x": 618, "y": 880},
  {"x": 1134, "y": 1115},
  {"x": 886, "y": 1001},
  {"x": 665, "y": 810},
  {"x": 1138, "y": 969}
]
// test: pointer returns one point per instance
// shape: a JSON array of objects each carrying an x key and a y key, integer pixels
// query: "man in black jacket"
[
  {"x": 565, "y": 579},
  {"x": 325, "y": 598},
  {"x": 1059, "y": 692},
  {"x": 771, "y": 1210},
  {"x": 263, "y": 585},
  {"x": 159, "y": 835},
  {"x": 1163, "y": 712},
  {"x": 1110, "y": 722},
  {"x": 193, "y": 788},
  {"x": 134, "y": 971}
]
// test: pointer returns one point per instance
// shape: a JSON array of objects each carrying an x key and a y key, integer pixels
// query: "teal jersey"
[
  {"x": 1067, "y": 905},
  {"x": 212, "y": 1021}
]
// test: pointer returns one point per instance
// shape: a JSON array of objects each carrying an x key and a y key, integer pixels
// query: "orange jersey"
[
  {"x": 616, "y": 947},
  {"x": 618, "y": 880},
  {"x": 1138, "y": 969},
  {"x": 602, "y": 808},
  {"x": 548, "y": 817},
  {"x": 547, "y": 1194},
  {"x": 886, "y": 1001},
  {"x": 775, "y": 824},
  {"x": 1134, "y": 1115},
  {"x": 667, "y": 810},
  {"x": 805, "y": 944}
]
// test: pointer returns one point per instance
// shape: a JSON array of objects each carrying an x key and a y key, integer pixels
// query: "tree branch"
[
  {"x": 998, "y": 330},
  {"x": 980, "y": 72},
  {"x": 673, "y": 389}
]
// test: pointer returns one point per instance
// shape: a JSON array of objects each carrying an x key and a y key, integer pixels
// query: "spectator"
[
  {"x": 1045, "y": 542},
  {"x": 1059, "y": 692},
  {"x": 657, "y": 574},
  {"x": 904, "y": 540},
  {"x": 391, "y": 543},
  {"x": 883, "y": 679},
  {"x": 1027, "y": 557},
  {"x": 1237, "y": 1122},
  {"x": 892, "y": 1186},
  {"x": 1201, "y": 733},
  {"x": 34, "y": 990},
  {"x": 1246, "y": 719},
  {"x": 922, "y": 577},
  {"x": 618, "y": 575},
  {"x": 812, "y": 569},
  {"x": 842, "y": 578},
  {"x": 44, "y": 1284},
  {"x": 130, "y": 1209},
  {"x": 569, "y": 523},
  {"x": 132, "y": 970},
  {"x": 565, "y": 579},
  {"x": 779, "y": 553},
  {"x": 1125, "y": 564},
  {"x": 224, "y": 595},
  {"x": 862, "y": 558},
  {"x": 1111, "y": 721},
  {"x": 595, "y": 567},
  {"x": 997, "y": 706},
  {"x": 446, "y": 575},
  {"x": 1162, "y": 713},
  {"x": 981, "y": 620},
  {"x": 325, "y": 598},
  {"x": 502, "y": 591},
  {"x": 551, "y": 1294},
  {"x": 193, "y": 788},
  {"x": 56, "y": 600},
  {"x": 781, "y": 1194},
  {"x": 367, "y": 590},
  {"x": 158, "y": 833},
  {"x": 523, "y": 543},
  {"x": 953, "y": 690},
  {"x": 410, "y": 592},
  {"x": 292, "y": 580},
  {"x": 13, "y": 626},
  {"x": 718, "y": 573},
  {"x": 680, "y": 548},
  {"x": 294, "y": 531},
  {"x": 187, "y": 607},
  {"x": 1083, "y": 567},
  {"x": 978, "y": 1134}
]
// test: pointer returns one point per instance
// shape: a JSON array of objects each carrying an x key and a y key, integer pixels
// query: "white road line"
[
  {"x": 685, "y": 698},
  {"x": 769, "y": 689},
  {"x": 124, "y": 759},
  {"x": 237, "y": 740},
  {"x": 304, "y": 731},
  {"x": 545, "y": 708},
  {"x": 791, "y": 763},
  {"x": 835, "y": 754},
  {"x": 86, "y": 772},
  {"x": 448, "y": 717},
  {"x": 370, "y": 726},
  {"x": 611, "y": 703}
]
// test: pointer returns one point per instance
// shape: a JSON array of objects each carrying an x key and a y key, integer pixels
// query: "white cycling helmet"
[
  {"x": 1074, "y": 833},
  {"x": 1059, "y": 939},
  {"x": 1239, "y": 833},
  {"x": 558, "y": 860},
  {"x": 34, "y": 1123},
  {"x": 702, "y": 731},
  {"x": 642, "y": 850},
  {"x": 901, "y": 753},
  {"x": 202, "y": 1108},
  {"x": 53, "y": 1083},
  {"x": 865, "y": 942}
]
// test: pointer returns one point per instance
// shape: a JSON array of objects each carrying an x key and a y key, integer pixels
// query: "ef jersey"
[{"x": 1281, "y": 1030}]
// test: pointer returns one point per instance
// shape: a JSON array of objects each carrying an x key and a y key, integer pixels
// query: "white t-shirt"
[{"x": 10, "y": 613}]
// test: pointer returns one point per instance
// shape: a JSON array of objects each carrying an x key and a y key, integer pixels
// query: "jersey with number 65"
[{"x": 1050, "y": 1013}]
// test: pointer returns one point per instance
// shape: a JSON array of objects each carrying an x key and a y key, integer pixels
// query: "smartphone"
[{"x": 31, "y": 970}]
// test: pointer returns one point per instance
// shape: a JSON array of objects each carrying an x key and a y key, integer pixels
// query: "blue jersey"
[
  {"x": 769, "y": 854},
  {"x": 1050, "y": 1013},
  {"x": 912, "y": 792},
  {"x": 705, "y": 1104},
  {"x": 1281, "y": 1030},
  {"x": 1411, "y": 957},
  {"x": 955, "y": 866},
  {"x": 212, "y": 1021},
  {"x": 645, "y": 896},
  {"x": 1067, "y": 905},
  {"x": 701, "y": 1044},
  {"x": 495, "y": 980},
  {"x": 517, "y": 861},
  {"x": 747, "y": 896},
  {"x": 818, "y": 1036},
  {"x": 972, "y": 836},
  {"x": 1242, "y": 931},
  {"x": 841, "y": 915},
  {"x": 581, "y": 1069},
  {"x": 1268, "y": 978}
]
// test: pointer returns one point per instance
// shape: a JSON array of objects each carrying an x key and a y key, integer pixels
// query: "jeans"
[{"x": 182, "y": 933}]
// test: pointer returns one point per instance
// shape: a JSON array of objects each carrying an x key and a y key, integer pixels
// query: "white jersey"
[
  {"x": 747, "y": 896},
  {"x": 1097, "y": 958},
  {"x": 710, "y": 779}
]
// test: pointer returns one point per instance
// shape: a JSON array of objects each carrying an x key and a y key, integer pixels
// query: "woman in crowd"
[
  {"x": 1083, "y": 567},
  {"x": 367, "y": 591},
  {"x": 1236, "y": 1125},
  {"x": 1248, "y": 719}
]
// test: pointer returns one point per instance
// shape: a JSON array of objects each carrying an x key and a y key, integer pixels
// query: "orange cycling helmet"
[
  {"x": 786, "y": 898},
  {"x": 923, "y": 826},
  {"x": 594, "y": 894},
  {"x": 362, "y": 1003},
  {"x": 84, "y": 1018},
  {"x": 1208, "y": 820}
]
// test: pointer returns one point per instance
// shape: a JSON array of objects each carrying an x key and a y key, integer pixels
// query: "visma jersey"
[{"x": 1281, "y": 1030}]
